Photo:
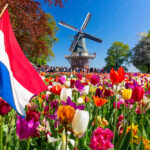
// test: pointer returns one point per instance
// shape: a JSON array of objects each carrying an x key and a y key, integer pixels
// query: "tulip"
[
  {"x": 62, "y": 144},
  {"x": 25, "y": 129},
  {"x": 35, "y": 115},
  {"x": 67, "y": 83},
  {"x": 56, "y": 89},
  {"x": 80, "y": 100},
  {"x": 86, "y": 89},
  {"x": 31, "y": 106},
  {"x": 4, "y": 107},
  {"x": 62, "y": 79},
  {"x": 117, "y": 76},
  {"x": 79, "y": 86},
  {"x": 80, "y": 122},
  {"x": 98, "y": 92},
  {"x": 65, "y": 93},
  {"x": 94, "y": 79},
  {"x": 137, "y": 93},
  {"x": 99, "y": 101},
  {"x": 65, "y": 113},
  {"x": 126, "y": 94}
]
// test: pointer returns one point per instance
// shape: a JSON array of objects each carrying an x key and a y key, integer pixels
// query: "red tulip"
[
  {"x": 72, "y": 82},
  {"x": 35, "y": 115},
  {"x": 117, "y": 76},
  {"x": 4, "y": 107},
  {"x": 137, "y": 93},
  {"x": 56, "y": 89}
]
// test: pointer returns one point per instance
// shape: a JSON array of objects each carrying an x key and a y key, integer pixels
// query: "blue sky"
[{"x": 112, "y": 20}]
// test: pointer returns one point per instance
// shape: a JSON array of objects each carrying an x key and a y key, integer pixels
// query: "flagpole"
[{"x": 1, "y": 14}]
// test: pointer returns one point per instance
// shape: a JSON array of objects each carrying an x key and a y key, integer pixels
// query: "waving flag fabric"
[{"x": 19, "y": 81}]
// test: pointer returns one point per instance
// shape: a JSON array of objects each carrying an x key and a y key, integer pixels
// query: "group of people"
[{"x": 46, "y": 68}]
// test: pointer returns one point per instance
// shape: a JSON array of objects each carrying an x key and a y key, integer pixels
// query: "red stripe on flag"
[{"x": 22, "y": 69}]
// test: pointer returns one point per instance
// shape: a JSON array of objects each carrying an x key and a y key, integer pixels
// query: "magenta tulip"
[{"x": 137, "y": 93}]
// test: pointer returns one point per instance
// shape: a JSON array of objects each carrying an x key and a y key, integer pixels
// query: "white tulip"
[
  {"x": 68, "y": 79},
  {"x": 65, "y": 92},
  {"x": 62, "y": 144},
  {"x": 80, "y": 100},
  {"x": 71, "y": 76},
  {"x": 67, "y": 83},
  {"x": 48, "y": 93},
  {"x": 86, "y": 89},
  {"x": 49, "y": 87},
  {"x": 52, "y": 139},
  {"x": 80, "y": 122}
]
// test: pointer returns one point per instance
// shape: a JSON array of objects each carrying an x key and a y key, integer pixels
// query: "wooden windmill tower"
[{"x": 79, "y": 54}]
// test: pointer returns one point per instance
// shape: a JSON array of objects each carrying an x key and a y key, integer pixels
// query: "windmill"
[{"x": 79, "y": 54}]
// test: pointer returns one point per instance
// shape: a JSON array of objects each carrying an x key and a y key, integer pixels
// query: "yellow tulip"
[
  {"x": 40, "y": 100},
  {"x": 126, "y": 94}
]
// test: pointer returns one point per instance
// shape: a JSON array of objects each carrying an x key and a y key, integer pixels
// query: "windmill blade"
[
  {"x": 68, "y": 26},
  {"x": 74, "y": 43},
  {"x": 86, "y": 21},
  {"x": 91, "y": 37}
]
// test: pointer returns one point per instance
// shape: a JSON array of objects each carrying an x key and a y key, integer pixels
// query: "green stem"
[
  {"x": 132, "y": 127},
  {"x": 28, "y": 144},
  {"x": 123, "y": 115},
  {"x": 66, "y": 135},
  {"x": 1, "y": 120},
  {"x": 115, "y": 119},
  {"x": 96, "y": 112},
  {"x": 76, "y": 142},
  {"x": 142, "y": 128}
]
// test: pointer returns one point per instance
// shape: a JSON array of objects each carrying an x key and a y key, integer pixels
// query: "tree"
[
  {"x": 117, "y": 55},
  {"x": 141, "y": 54},
  {"x": 34, "y": 29}
]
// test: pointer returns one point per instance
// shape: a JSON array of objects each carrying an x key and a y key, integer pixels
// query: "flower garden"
[{"x": 82, "y": 111}]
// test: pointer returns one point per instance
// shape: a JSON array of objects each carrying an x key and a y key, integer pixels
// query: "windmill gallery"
[{"x": 79, "y": 54}]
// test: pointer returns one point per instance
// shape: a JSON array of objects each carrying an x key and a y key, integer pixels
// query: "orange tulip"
[
  {"x": 56, "y": 89},
  {"x": 117, "y": 76},
  {"x": 43, "y": 96},
  {"x": 66, "y": 113},
  {"x": 99, "y": 101},
  {"x": 50, "y": 78},
  {"x": 47, "y": 80},
  {"x": 42, "y": 73}
]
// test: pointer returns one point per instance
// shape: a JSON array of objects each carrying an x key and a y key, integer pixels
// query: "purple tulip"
[
  {"x": 69, "y": 102},
  {"x": 62, "y": 80},
  {"x": 94, "y": 79},
  {"x": 79, "y": 86},
  {"x": 25, "y": 129}
]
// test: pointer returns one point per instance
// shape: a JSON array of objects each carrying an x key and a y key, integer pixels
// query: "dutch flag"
[{"x": 19, "y": 81}]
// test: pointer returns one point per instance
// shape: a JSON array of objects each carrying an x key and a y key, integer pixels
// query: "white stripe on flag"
[{"x": 20, "y": 94}]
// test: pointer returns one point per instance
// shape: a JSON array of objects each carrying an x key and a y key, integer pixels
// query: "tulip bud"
[{"x": 80, "y": 122}]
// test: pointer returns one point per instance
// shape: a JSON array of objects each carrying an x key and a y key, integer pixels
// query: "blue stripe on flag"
[{"x": 5, "y": 86}]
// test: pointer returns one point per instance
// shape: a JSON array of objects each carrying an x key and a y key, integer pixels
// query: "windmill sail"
[
  {"x": 79, "y": 54},
  {"x": 75, "y": 41},
  {"x": 86, "y": 21},
  {"x": 68, "y": 26},
  {"x": 91, "y": 37}
]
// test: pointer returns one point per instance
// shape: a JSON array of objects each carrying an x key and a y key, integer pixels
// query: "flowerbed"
[{"x": 82, "y": 111}]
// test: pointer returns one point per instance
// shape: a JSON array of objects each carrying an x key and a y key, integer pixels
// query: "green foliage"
[
  {"x": 42, "y": 58},
  {"x": 141, "y": 54},
  {"x": 117, "y": 55}
]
